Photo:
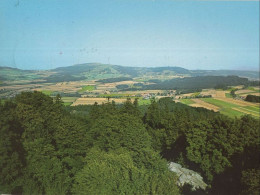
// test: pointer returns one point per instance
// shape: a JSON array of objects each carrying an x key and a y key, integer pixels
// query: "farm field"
[
  {"x": 87, "y": 88},
  {"x": 92, "y": 91},
  {"x": 67, "y": 101},
  {"x": 47, "y": 92},
  {"x": 214, "y": 93},
  {"x": 187, "y": 101},
  {"x": 228, "y": 95},
  {"x": 201, "y": 103},
  {"x": 237, "y": 102},
  {"x": 248, "y": 91},
  {"x": 223, "y": 102},
  {"x": 91, "y": 101},
  {"x": 231, "y": 107}
]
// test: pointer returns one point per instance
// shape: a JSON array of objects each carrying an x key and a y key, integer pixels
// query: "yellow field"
[
  {"x": 91, "y": 101},
  {"x": 146, "y": 91},
  {"x": 214, "y": 93},
  {"x": 221, "y": 94}
]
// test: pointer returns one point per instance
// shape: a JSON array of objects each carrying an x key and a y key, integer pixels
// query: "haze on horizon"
[{"x": 47, "y": 34}]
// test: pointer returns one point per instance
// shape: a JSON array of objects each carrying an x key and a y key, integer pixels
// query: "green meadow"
[
  {"x": 87, "y": 88},
  {"x": 47, "y": 92},
  {"x": 187, "y": 101},
  {"x": 142, "y": 101}
]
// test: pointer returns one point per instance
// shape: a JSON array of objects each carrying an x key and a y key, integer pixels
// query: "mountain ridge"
[{"x": 97, "y": 71}]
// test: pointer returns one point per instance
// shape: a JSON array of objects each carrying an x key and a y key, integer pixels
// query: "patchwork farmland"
[
  {"x": 223, "y": 102},
  {"x": 90, "y": 91}
]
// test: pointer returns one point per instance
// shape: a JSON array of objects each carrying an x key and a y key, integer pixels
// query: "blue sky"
[{"x": 45, "y": 34}]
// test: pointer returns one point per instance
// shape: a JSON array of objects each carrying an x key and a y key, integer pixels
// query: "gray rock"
[{"x": 187, "y": 176}]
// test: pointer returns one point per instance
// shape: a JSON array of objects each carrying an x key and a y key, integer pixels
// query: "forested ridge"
[
  {"x": 47, "y": 148},
  {"x": 193, "y": 84}
]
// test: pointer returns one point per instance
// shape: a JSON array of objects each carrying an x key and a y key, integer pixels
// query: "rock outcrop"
[{"x": 187, "y": 176}]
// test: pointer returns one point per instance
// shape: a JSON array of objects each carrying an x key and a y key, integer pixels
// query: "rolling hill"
[{"x": 97, "y": 71}]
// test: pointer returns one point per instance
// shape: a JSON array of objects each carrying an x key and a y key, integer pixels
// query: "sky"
[{"x": 45, "y": 34}]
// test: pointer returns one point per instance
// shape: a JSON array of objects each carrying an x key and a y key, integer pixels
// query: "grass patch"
[
  {"x": 254, "y": 113},
  {"x": 219, "y": 103},
  {"x": 67, "y": 103},
  {"x": 195, "y": 94},
  {"x": 143, "y": 102},
  {"x": 228, "y": 95},
  {"x": 117, "y": 95},
  {"x": 253, "y": 108},
  {"x": 231, "y": 113},
  {"x": 251, "y": 88},
  {"x": 231, "y": 89},
  {"x": 69, "y": 99},
  {"x": 87, "y": 88},
  {"x": 2, "y": 101},
  {"x": 47, "y": 92},
  {"x": 187, "y": 101}
]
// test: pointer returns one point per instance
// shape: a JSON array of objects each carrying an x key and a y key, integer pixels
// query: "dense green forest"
[
  {"x": 193, "y": 84},
  {"x": 113, "y": 80},
  {"x": 200, "y": 82},
  {"x": 47, "y": 148}
]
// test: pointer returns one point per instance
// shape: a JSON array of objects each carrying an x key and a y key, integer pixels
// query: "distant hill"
[
  {"x": 97, "y": 71},
  {"x": 252, "y": 75},
  {"x": 15, "y": 74},
  {"x": 116, "y": 70}
]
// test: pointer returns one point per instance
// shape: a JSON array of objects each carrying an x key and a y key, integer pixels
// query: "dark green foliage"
[
  {"x": 63, "y": 78},
  {"x": 177, "y": 70},
  {"x": 221, "y": 86},
  {"x": 51, "y": 144},
  {"x": 200, "y": 82},
  {"x": 122, "y": 86},
  {"x": 253, "y": 98},
  {"x": 119, "y": 131},
  {"x": 250, "y": 179},
  {"x": 46, "y": 148},
  {"x": 210, "y": 146},
  {"x": 241, "y": 73},
  {"x": 113, "y": 80},
  {"x": 115, "y": 173},
  {"x": 138, "y": 84},
  {"x": 254, "y": 83},
  {"x": 233, "y": 93},
  {"x": 11, "y": 151},
  {"x": 154, "y": 81},
  {"x": 206, "y": 142}
]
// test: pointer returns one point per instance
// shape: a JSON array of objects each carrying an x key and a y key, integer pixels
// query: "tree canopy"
[{"x": 46, "y": 148}]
